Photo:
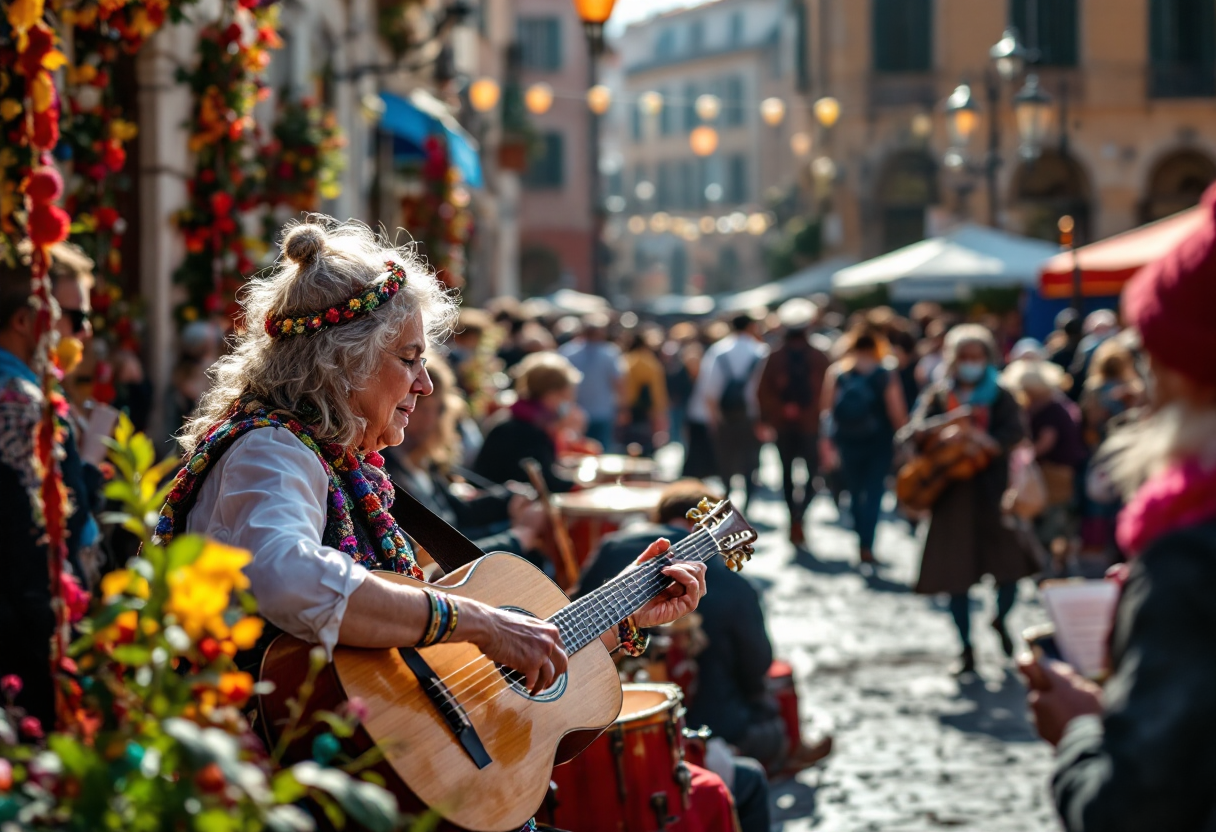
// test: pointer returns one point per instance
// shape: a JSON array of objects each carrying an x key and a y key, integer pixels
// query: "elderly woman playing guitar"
[{"x": 332, "y": 363}]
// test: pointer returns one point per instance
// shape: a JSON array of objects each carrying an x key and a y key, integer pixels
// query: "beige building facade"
[
  {"x": 680, "y": 223},
  {"x": 1133, "y": 133}
]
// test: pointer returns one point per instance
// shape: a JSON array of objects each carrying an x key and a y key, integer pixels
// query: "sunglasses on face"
[{"x": 77, "y": 317}]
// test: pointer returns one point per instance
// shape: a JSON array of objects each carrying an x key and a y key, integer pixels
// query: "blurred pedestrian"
[
  {"x": 643, "y": 409},
  {"x": 546, "y": 383},
  {"x": 599, "y": 361},
  {"x": 863, "y": 406},
  {"x": 790, "y": 387},
  {"x": 725, "y": 397},
  {"x": 1099, "y": 326},
  {"x": 1111, "y": 389},
  {"x": 1140, "y": 752},
  {"x": 1062, "y": 344},
  {"x": 681, "y": 356},
  {"x": 967, "y": 537}
]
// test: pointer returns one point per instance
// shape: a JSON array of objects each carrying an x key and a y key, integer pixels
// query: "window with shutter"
[
  {"x": 690, "y": 107},
  {"x": 736, "y": 179},
  {"x": 540, "y": 43},
  {"x": 903, "y": 35},
  {"x": 546, "y": 166},
  {"x": 1050, "y": 26},
  {"x": 1182, "y": 48},
  {"x": 666, "y": 115},
  {"x": 733, "y": 111},
  {"x": 663, "y": 189}
]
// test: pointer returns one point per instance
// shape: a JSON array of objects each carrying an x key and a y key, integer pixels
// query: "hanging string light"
[
  {"x": 650, "y": 103},
  {"x": 708, "y": 107},
  {"x": 484, "y": 94},
  {"x": 800, "y": 144},
  {"x": 539, "y": 98},
  {"x": 772, "y": 111},
  {"x": 827, "y": 111},
  {"x": 703, "y": 140},
  {"x": 599, "y": 99}
]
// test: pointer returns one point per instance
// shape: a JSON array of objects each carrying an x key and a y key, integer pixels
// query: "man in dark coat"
[
  {"x": 732, "y": 671},
  {"x": 788, "y": 394}
]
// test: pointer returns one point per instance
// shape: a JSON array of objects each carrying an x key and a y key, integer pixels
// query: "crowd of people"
[{"x": 1007, "y": 442}]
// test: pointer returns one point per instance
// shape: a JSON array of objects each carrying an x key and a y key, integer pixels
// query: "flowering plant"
[
  {"x": 152, "y": 734},
  {"x": 435, "y": 210},
  {"x": 227, "y": 81},
  {"x": 306, "y": 156}
]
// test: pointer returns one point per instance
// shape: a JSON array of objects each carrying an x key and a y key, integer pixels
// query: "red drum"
[
  {"x": 781, "y": 688},
  {"x": 592, "y": 513},
  {"x": 633, "y": 778}
]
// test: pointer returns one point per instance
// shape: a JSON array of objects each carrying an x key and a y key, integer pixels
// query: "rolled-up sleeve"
[{"x": 268, "y": 494}]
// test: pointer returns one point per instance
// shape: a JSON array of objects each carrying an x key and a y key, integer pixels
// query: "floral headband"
[{"x": 342, "y": 313}]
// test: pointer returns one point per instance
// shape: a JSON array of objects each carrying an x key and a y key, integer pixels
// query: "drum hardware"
[
  {"x": 683, "y": 777},
  {"x": 617, "y": 737},
  {"x": 658, "y": 805}
]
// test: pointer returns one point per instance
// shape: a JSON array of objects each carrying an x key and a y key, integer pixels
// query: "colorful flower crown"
[{"x": 342, "y": 313}]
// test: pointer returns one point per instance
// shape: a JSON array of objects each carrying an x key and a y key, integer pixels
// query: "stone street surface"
[{"x": 915, "y": 749}]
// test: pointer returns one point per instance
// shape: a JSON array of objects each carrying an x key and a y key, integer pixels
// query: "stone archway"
[
  {"x": 1047, "y": 188},
  {"x": 906, "y": 188},
  {"x": 1176, "y": 183}
]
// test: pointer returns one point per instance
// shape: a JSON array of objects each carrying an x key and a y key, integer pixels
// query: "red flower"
[
  {"x": 75, "y": 597},
  {"x": 44, "y": 185},
  {"x": 210, "y": 779},
  {"x": 106, "y": 217},
  {"x": 331, "y": 315},
  {"x": 232, "y": 34},
  {"x": 221, "y": 203},
  {"x": 207, "y": 175},
  {"x": 114, "y": 156},
  {"x": 31, "y": 727},
  {"x": 348, "y": 314},
  {"x": 11, "y": 685},
  {"x": 210, "y": 648},
  {"x": 49, "y": 224}
]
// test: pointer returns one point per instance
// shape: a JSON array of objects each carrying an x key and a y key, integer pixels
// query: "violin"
[{"x": 948, "y": 450}]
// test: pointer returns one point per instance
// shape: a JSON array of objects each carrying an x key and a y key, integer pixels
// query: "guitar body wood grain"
[{"x": 521, "y": 735}]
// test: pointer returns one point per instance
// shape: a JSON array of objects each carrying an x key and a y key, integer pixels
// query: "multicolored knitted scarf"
[{"x": 356, "y": 482}]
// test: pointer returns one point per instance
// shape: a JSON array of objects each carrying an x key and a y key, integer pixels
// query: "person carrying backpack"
[
  {"x": 862, "y": 407},
  {"x": 788, "y": 394},
  {"x": 725, "y": 396}
]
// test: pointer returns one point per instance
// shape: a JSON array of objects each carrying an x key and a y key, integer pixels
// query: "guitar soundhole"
[{"x": 517, "y": 682}]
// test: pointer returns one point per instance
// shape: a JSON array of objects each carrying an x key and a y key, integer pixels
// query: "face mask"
[{"x": 970, "y": 372}]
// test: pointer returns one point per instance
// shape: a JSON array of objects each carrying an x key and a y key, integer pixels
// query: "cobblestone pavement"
[{"x": 915, "y": 749}]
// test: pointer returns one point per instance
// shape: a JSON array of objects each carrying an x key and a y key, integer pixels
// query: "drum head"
[{"x": 642, "y": 701}]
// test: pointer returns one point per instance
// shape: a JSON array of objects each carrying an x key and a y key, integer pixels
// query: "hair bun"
[{"x": 303, "y": 243}]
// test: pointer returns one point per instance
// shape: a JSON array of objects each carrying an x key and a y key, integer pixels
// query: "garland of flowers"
[
  {"x": 305, "y": 157},
  {"x": 226, "y": 82},
  {"x": 435, "y": 210}
]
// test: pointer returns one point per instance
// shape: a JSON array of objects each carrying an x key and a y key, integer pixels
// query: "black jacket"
[
  {"x": 1149, "y": 763},
  {"x": 733, "y": 669},
  {"x": 511, "y": 440}
]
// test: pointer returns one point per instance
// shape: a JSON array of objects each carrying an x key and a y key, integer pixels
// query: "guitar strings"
[
  {"x": 652, "y": 577},
  {"x": 638, "y": 579},
  {"x": 634, "y": 579},
  {"x": 649, "y": 567}
]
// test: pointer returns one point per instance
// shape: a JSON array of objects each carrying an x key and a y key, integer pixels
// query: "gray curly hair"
[
  {"x": 325, "y": 262},
  {"x": 968, "y": 334}
]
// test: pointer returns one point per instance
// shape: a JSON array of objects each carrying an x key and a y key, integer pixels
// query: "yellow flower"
[
  {"x": 42, "y": 92},
  {"x": 22, "y": 14},
  {"x": 10, "y": 108},
  {"x": 123, "y": 131},
  {"x": 199, "y": 593},
  {"x": 246, "y": 632},
  {"x": 124, "y": 580},
  {"x": 223, "y": 563},
  {"x": 84, "y": 74}
]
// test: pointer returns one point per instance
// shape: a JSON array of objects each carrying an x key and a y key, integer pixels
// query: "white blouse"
[{"x": 268, "y": 493}]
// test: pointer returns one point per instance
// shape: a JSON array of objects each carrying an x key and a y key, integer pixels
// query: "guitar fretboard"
[{"x": 586, "y": 619}]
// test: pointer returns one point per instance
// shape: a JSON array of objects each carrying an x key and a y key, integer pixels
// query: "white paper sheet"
[{"x": 1083, "y": 613}]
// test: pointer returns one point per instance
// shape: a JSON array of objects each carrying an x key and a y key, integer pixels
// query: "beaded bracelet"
[
  {"x": 444, "y": 617},
  {"x": 633, "y": 641}
]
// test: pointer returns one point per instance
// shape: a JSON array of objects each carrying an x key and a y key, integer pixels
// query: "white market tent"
[
  {"x": 950, "y": 267},
  {"x": 801, "y": 284}
]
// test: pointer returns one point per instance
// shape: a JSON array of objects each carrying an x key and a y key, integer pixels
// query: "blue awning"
[{"x": 411, "y": 120}]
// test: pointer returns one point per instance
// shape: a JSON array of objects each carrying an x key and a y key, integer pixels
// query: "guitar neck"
[{"x": 586, "y": 619}]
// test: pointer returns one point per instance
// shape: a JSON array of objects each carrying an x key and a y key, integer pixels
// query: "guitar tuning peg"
[
  {"x": 695, "y": 515},
  {"x": 705, "y": 506}
]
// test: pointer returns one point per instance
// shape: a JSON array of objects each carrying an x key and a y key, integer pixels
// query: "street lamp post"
[{"x": 594, "y": 14}]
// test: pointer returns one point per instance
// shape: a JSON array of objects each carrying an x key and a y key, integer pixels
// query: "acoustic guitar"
[{"x": 461, "y": 734}]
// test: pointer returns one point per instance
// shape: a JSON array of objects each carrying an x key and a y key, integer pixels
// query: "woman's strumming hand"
[{"x": 529, "y": 645}]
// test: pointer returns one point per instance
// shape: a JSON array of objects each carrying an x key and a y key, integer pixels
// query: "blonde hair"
[
  {"x": 1030, "y": 375},
  {"x": 325, "y": 262},
  {"x": 545, "y": 372}
]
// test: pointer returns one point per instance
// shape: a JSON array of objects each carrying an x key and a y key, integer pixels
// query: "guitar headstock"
[{"x": 731, "y": 532}]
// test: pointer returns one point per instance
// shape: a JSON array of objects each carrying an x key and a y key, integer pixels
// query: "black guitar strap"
[{"x": 447, "y": 546}]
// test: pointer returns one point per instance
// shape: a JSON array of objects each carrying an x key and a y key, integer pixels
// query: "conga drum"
[
  {"x": 633, "y": 777},
  {"x": 610, "y": 468},
  {"x": 601, "y": 510},
  {"x": 781, "y": 688}
]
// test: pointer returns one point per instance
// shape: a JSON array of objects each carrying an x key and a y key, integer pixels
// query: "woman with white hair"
[
  {"x": 283, "y": 457},
  {"x": 967, "y": 537}
]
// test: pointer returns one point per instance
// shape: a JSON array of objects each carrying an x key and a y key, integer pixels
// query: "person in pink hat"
[{"x": 1140, "y": 752}]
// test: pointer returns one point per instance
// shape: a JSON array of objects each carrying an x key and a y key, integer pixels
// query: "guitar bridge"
[{"x": 453, "y": 712}]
